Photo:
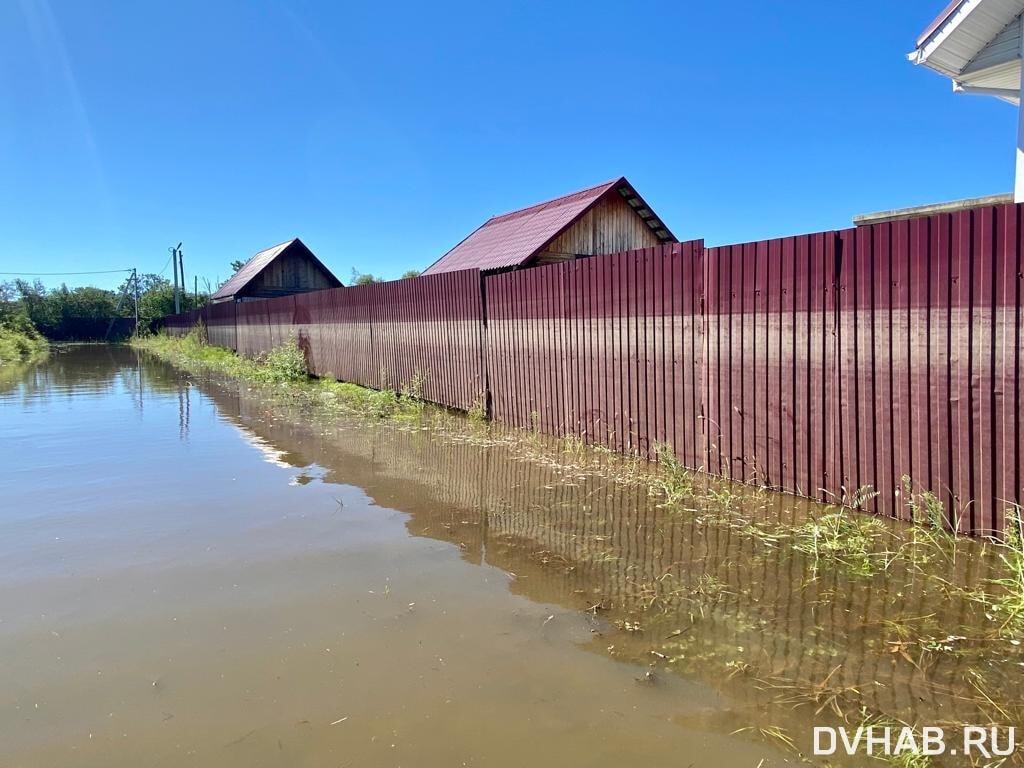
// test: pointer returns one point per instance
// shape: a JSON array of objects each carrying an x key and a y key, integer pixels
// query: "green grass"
[
  {"x": 1003, "y": 595},
  {"x": 674, "y": 481},
  {"x": 844, "y": 538},
  {"x": 284, "y": 367},
  {"x": 19, "y": 346}
]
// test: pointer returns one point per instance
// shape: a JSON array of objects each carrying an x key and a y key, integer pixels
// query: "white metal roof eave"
[
  {"x": 923, "y": 53},
  {"x": 965, "y": 34}
]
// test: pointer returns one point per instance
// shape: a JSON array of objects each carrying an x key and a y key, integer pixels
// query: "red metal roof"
[
  {"x": 939, "y": 21},
  {"x": 261, "y": 261},
  {"x": 512, "y": 239}
]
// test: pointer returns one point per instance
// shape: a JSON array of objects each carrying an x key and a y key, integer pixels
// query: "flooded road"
[{"x": 194, "y": 574}]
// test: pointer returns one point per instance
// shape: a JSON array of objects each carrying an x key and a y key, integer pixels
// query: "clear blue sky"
[{"x": 382, "y": 134}]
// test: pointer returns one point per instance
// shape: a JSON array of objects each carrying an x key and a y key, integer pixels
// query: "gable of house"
[
  {"x": 284, "y": 269},
  {"x": 606, "y": 218}
]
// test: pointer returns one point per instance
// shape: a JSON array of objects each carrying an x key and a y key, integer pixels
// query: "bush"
[
  {"x": 19, "y": 343},
  {"x": 383, "y": 403},
  {"x": 283, "y": 364}
]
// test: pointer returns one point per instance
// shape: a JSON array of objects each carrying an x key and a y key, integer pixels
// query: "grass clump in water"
[
  {"x": 478, "y": 410},
  {"x": 282, "y": 365},
  {"x": 1011, "y": 553},
  {"x": 1003, "y": 599},
  {"x": 838, "y": 537},
  {"x": 412, "y": 390},
  {"x": 675, "y": 482}
]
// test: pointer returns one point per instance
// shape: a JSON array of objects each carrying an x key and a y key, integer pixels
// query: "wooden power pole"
[
  {"x": 184, "y": 285},
  {"x": 135, "y": 282},
  {"x": 174, "y": 263}
]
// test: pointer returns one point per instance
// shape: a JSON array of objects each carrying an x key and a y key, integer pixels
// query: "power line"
[
  {"x": 166, "y": 265},
  {"x": 53, "y": 274}
]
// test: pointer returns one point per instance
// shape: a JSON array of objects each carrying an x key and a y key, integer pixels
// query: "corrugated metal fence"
[
  {"x": 817, "y": 364},
  {"x": 930, "y": 331},
  {"x": 426, "y": 332},
  {"x": 608, "y": 349}
]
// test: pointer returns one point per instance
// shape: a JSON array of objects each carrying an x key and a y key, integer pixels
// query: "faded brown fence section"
[
  {"x": 425, "y": 333},
  {"x": 607, "y": 348},
  {"x": 221, "y": 325},
  {"x": 179, "y": 325},
  {"x": 886, "y": 357}
]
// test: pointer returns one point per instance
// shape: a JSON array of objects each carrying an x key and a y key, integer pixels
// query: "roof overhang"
[
  {"x": 977, "y": 44},
  {"x": 917, "y": 211}
]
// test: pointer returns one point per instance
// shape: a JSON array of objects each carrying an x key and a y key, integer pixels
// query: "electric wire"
[{"x": 53, "y": 274}]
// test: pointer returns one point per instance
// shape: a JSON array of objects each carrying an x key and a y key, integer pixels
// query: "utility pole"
[
  {"x": 135, "y": 282},
  {"x": 174, "y": 263},
  {"x": 195, "y": 293},
  {"x": 184, "y": 285}
]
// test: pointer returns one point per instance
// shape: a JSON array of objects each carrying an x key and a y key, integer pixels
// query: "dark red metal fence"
[
  {"x": 886, "y": 357},
  {"x": 771, "y": 354},
  {"x": 179, "y": 325},
  {"x": 608, "y": 349},
  {"x": 425, "y": 333},
  {"x": 930, "y": 341}
]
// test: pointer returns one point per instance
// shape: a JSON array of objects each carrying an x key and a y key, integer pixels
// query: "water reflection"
[
  {"x": 86, "y": 369},
  {"x": 172, "y": 598},
  {"x": 754, "y": 619},
  {"x": 685, "y": 599}
]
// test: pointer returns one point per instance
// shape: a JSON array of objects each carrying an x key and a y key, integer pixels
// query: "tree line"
[{"x": 85, "y": 312}]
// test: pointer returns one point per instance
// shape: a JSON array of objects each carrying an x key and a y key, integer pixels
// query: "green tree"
[
  {"x": 236, "y": 265},
  {"x": 66, "y": 313},
  {"x": 363, "y": 279},
  {"x": 410, "y": 273},
  {"x": 156, "y": 299},
  {"x": 12, "y": 313}
]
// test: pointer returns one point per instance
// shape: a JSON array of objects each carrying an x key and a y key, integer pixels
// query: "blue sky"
[{"x": 382, "y": 134}]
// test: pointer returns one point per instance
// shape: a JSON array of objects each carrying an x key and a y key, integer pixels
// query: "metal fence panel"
[{"x": 886, "y": 357}]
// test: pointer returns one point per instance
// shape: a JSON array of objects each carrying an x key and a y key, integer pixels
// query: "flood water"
[{"x": 194, "y": 574}]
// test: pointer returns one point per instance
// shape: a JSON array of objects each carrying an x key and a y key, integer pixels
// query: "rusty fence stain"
[{"x": 887, "y": 356}]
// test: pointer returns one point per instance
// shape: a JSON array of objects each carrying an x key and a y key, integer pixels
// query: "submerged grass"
[
  {"x": 284, "y": 367},
  {"x": 834, "y": 547},
  {"x": 1003, "y": 595},
  {"x": 835, "y": 538}
]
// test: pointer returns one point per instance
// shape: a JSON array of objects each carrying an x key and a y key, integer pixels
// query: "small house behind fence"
[{"x": 285, "y": 269}]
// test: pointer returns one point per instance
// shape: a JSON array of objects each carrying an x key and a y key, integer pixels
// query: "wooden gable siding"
[
  {"x": 610, "y": 226},
  {"x": 291, "y": 272}
]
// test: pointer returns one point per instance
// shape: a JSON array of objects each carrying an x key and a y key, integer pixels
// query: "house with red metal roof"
[
  {"x": 286, "y": 268},
  {"x": 978, "y": 44},
  {"x": 606, "y": 218}
]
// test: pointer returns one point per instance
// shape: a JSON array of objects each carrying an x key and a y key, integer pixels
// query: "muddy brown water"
[{"x": 195, "y": 574}]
